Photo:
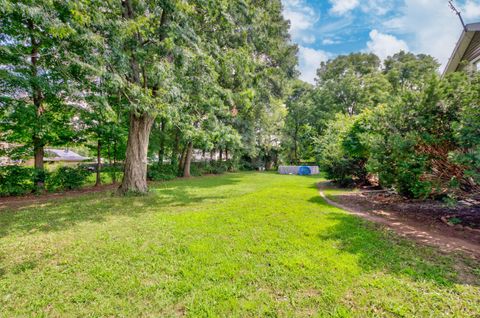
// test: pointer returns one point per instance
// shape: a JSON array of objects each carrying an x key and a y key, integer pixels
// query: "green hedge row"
[{"x": 18, "y": 180}]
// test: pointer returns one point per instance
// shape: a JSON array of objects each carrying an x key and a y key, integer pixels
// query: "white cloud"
[
  {"x": 343, "y": 6},
  {"x": 302, "y": 20},
  {"x": 378, "y": 7},
  {"x": 430, "y": 26},
  {"x": 308, "y": 38},
  {"x": 330, "y": 41},
  {"x": 385, "y": 45},
  {"x": 471, "y": 9},
  {"x": 310, "y": 60}
]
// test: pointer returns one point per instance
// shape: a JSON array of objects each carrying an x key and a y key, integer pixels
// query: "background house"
[{"x": 466, "y": 55}]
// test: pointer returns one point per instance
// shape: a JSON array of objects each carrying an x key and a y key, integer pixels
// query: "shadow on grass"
[
  {"x": 378, "y": 249},
  {"x": 60, "y": 214}
]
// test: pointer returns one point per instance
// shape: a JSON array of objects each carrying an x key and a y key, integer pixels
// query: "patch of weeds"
[{"x": 455, "y": 221}]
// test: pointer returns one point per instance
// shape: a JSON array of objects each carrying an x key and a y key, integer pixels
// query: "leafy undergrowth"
[{"x": 245, "y": 244}]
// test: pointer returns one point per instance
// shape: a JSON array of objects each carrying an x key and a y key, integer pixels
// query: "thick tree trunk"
[
  {"x": 39, "y": 154},
  {"x": 188, "y": 160},
  {"x": 135, "y": 171},
  {"x": 181, "y": 162},
  {"x": 98, "y": 181},
  {"x": 37, "y": 97},
  {"x": 268, "y": 164},
  {"x": 226, "y": 154}
]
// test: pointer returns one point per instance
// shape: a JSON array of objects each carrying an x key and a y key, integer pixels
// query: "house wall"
[{"x": 473, "y": 51}]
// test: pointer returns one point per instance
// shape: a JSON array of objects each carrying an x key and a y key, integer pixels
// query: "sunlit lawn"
[{"x": 246, "y": 244}]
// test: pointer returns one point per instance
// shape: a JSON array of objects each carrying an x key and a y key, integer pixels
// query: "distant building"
[
  {"x": 466, "y": 55},
  {"x": 62, "y": 155},
  {"x": 51, "y": 155}
]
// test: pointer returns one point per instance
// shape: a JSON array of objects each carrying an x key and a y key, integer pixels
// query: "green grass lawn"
[{"x": 241, "y": 245}]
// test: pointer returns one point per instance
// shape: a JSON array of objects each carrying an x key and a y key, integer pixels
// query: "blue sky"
[{"x": 324, "y": 29}]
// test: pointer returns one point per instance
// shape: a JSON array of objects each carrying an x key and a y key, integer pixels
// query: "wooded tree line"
[
  {"x": 137, "y": 79},
  {"x": 397, "y": 123}
]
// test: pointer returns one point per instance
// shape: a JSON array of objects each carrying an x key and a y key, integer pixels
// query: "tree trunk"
[
  {"x": 161, "y": 151},
  {"x": 226, "y": 154},
  {"x": 188, "y": 160},
  {"x": 176, "y": 146},
  {"x": 98, "y": 181},
  {"x": 37, "y": 97},
  {"x": 220, "y": 157},
  {"x": 296, "y": 146},
  {"x": 181, "y": 162},
  {"x": 39, "y": 153},
  {"x": 114, "y": 175},
  {"x": 135, "y": 171},
  {"x": 268, "y": 164}
]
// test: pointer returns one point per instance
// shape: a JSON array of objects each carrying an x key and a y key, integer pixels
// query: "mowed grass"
[{"x": 238, "y": 245}]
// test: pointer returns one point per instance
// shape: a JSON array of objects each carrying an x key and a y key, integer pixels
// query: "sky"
[{"x": 324, "y": 29}]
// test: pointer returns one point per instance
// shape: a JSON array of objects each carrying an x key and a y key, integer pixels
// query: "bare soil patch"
[
  {"x": 34, "y": 199},
  {"x": 430, "y": 222}
]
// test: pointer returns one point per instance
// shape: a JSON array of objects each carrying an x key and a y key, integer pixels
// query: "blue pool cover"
[{"x": 304, "y": 171}]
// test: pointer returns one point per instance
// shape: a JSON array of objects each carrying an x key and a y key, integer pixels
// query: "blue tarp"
[{"x": 304, "y": 171}]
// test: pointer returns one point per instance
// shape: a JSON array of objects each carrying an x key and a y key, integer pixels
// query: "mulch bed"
[{"x": 462, "y": 221}]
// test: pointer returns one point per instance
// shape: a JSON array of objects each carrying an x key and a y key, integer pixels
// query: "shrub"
[
  {"x": 246, "y": 164},
  {"x": 67, "y": 178},
  {"x": 16, "y": 180},
  {"x": 341, "y": 152},
  {"x": 399, "y": 166},
  {"x": 162, "y": 172},
  {"x": 197, "y": 169},
  {"x": 425, "y": 143}
]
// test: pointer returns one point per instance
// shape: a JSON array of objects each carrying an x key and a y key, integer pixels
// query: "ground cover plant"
[{"x": 241, "y": 244}]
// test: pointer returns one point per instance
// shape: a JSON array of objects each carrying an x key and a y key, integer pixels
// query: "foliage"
[
  {"x": 340, "y": 151},
  {"x": 417, "y": 143},
  {"x": 67, "y": 178},
  {"x": 207, "y": 76},
  {"x": 16, "y": 180},
  {"x": 350, "y": 83},
  {"x": 415, "y": 132},
  {"x": 466, "y": 128},
  {"x": 39, "y": 58},
  {"x": 298, "y": 131},
  {"x": 157, "y": 172}
]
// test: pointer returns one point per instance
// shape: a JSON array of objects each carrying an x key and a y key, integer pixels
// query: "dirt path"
[
  {"x": 440, "y": 237},
  {"x": 32, "y": 199}
]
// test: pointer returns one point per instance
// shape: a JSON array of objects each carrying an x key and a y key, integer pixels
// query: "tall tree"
[
  {"x": 141, "y": 43},
  {"x": 344, "y": 83},
  {"x": 298, "y": 125},
  {"x": 38, "y": 65}
]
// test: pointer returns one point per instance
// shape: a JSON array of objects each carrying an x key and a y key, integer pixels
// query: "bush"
[
  {"x": 341, "y": 152},
  {"x": 247, "y": 164},
  {"x": 16, "y": 180},
  {"x": 196, "y": 169},
  {"x": 213, "y": 167},
  {"x": 425, "y": 143},
  {"x": 67, "y": 178},
  {"x": 162, "y": 172},
  {"x": 399, "y": 166}
]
